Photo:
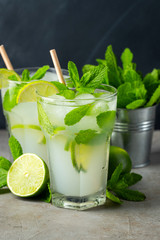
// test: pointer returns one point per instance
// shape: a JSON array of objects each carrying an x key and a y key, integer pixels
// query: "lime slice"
[
  {"x": 28, "y": 92},
  {"x": 36, "y": 127},
  {"x": 41, "y": 139},
  {"x": 28, "y": 175},
  {"x": 80, "y": 155},
  {"x": 5, "y": 73}
]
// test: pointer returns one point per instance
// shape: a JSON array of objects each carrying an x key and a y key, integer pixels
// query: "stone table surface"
[{"x": 32, "y": 220}]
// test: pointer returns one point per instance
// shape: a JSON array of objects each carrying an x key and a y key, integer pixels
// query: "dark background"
[{"x": 80, "y": 30}]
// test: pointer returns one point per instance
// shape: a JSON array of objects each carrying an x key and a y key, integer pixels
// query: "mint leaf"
[
  {"x": 15, "y": 147},
  {"x": 46, "y": 195},
  {"x": 44, "y": 120},
  {"x": 155, "y": 98},
  {"x": 25, "y": 75},
  {"x": 69, "y": 83},
  {"x": 151, "y": 82},
  {"x": 10, "y": 97},
  {"x": 68, "y": 94},
  {"x": 101, "y": 61},
  {"x": 5, "y": 163},
  {"x": 123, "y": 96},
  {"x": 13, "y": 78},
  {"x": 126, "y": 58},
  {"x": 89, "y": 76},
  {"x": 121, "y": 184},
  {"x": 85, "y": 90},
  {"x": 85, "y": 136},
  {"x": 112, "y": 197},
  {"x": 3, "y": 177},
  {"x": 153, "y": 76},
  {"x": 87, "y": 68},
  {"x": 131, "y": 75},
  {"x": 76, "y": 115},
  {"x": 130, "y": 195},
  {"x": 106, "y": 120},
  {"x": 59, "y": 85},
  {"x": 130, "y": 92},
  {"x": 40, "y": 73},
  {"x": 73, "y": 73},
  {"x": 113, "y": 73},
  {"x": 136, "y": 104},
  {"x": 115, "y": 177},
  {"x": 97, "y": 79},
  {"x": 131, "y": 178},
  {"x": 138, "y": 90},
  {"x": 86, "y": 78}
]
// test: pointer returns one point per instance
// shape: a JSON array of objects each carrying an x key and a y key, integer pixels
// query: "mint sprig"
[
  {"x": 134, "y": 89},
  {"x": 117, "y": 186}
]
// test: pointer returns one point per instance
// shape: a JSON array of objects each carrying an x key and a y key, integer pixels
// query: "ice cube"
[
  {"x": 98, "y": 107},
  {"x": 85, "y": 98}
]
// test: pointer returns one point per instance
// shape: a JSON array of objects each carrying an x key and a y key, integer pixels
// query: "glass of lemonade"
[
  {"x": 78, "y": 134},
  {"x": 20, "y": 109}
]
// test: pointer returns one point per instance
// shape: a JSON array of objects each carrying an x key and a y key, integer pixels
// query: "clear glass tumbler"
[{"x": 78, "y": 134}]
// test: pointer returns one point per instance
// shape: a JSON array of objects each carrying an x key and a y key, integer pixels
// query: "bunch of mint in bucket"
[
  {"x": 134, "y": 89},
  {"x": 30, "y": 173}
]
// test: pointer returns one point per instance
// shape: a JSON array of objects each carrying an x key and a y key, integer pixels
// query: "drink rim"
[
  {"x": 52, "y": 100},
  {"x": 51, "y": 69}
]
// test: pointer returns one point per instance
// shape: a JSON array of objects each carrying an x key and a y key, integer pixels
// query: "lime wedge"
[
  {"x": 28, "y": 92},
  {"x": 80, "y": 156},
  {"x": 36, "y": 127},
  {"x": 28, "y": 175},
  {"x": 41, "y": 139},
  {"x": 5, "y": 73}
]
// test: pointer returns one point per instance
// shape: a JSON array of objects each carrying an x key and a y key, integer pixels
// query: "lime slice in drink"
[
  {"x": 5, "y": 74},
  {"x": 28, "y": 92},
  {"x": 80, "y": 156},
  {"x": 41, "y": 139},
  {"x": 28, "y": 175}
]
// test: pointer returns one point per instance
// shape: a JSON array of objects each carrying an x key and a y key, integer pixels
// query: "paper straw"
[
  {"x": 6, "y": 58},
  {"x": 57, "y": 65}
]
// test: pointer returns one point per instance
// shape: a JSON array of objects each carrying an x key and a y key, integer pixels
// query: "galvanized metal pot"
[{"x": 133, "y": 132}]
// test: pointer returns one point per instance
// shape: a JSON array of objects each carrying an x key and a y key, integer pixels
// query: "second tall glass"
[{"x": 22, "y": 118}]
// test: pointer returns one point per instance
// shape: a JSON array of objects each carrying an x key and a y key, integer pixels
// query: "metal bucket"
[{"x": 133, "y": 132}]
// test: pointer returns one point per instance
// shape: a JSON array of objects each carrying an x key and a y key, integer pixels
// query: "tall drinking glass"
[
  {"x": 22, "y": 117},
  {"x": 78, "y": 134}
]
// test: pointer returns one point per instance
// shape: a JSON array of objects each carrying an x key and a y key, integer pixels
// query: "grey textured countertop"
[{"x": 32, "y": 220}]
